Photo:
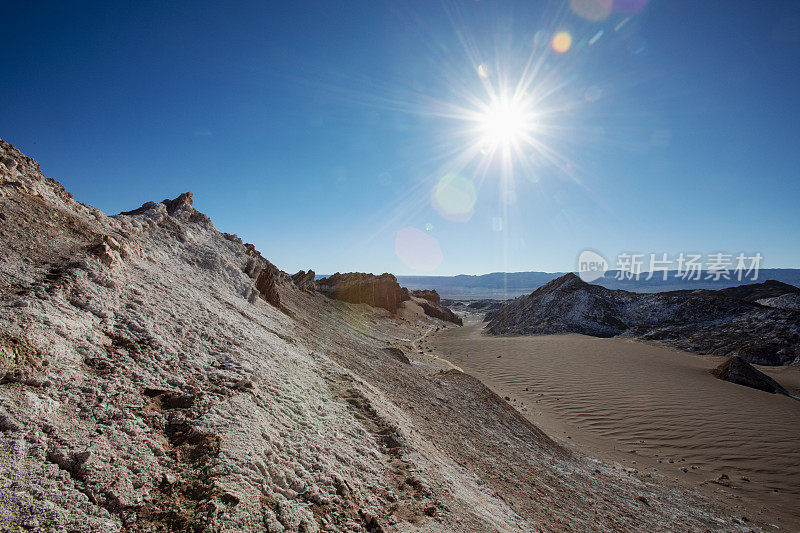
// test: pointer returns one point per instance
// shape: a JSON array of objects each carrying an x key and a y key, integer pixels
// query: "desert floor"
[{"x": 653, "y": 409}]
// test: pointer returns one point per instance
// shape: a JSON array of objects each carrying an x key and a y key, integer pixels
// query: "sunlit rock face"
[
  {"x": 724, "y": 322},
  {"x": 355, "y": 287}
]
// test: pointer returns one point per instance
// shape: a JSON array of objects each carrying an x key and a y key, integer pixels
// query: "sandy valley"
[{"x": 654, "y": 409}]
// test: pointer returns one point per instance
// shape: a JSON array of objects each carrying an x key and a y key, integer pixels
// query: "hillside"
[
  {"x": 159, "y": 375},
  {"x": 725, "y": 322}
]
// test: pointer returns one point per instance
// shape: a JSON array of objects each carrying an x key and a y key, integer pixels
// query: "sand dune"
[{"x": 655, "y": 409}]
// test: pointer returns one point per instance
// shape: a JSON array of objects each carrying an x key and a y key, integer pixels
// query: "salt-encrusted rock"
[
  {"x": 789, "y": 302},
  {"x": 111, "y": 251}
]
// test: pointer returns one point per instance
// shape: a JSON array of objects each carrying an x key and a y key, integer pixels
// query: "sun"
[{"x": 505, "y": 123}]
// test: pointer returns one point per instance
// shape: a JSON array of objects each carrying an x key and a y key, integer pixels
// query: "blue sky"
[{"x": 320, "y": 131}]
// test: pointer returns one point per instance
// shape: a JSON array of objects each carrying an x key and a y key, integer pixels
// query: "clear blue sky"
[{"x": 320, "y": 130}]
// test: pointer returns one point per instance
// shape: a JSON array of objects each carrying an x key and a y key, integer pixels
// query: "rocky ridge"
[{"x": 710, "y": 322}]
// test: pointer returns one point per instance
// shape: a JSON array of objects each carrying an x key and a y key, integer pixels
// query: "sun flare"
[{"x": 505, "y": 123}]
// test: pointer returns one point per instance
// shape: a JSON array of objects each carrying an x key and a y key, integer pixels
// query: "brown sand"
[{"x": 651, "y": 408}]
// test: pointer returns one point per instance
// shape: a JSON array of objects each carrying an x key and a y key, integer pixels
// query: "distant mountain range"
[{"x": 504, "y": 285}]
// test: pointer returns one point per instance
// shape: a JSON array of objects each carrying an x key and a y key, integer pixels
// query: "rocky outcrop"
[
  {"x": 737, "y": 370},
  {"x": 267, "y": 276},
  {"x": 711, "y": 322},
  {"x": 168, "y": 211},
  {"x": 426, "y": 294},
  {"x": 355, "y": 287},
  {"x": 266, "y": 286},
  {"x": 183, "y": 201},
  {"x": 438, "y": 311},
  {"x": 382, "y": 291},
  {"x": 397, "y": 354},
  {"x": 305, "y": 281},
  {"x": 564, "y": 305}
]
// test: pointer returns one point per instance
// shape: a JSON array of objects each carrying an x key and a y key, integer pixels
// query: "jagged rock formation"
[
  {"x": 703, "y": 321},
  {"x": 267, "y": 287},
  {"x": 737, "y": 370},
  {"x": 355, "y": 287},
  {"x": 267, "y": 276},
  {"x": 305, "y": 281},
  {"x": 161, "y": 392}
]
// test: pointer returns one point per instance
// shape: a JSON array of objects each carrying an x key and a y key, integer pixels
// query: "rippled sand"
[{"x": 654, "y": 409}]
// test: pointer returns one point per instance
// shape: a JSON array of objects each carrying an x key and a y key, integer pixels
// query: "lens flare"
[
  {"x": 596, "y": 37},
  {"x": 561, "y": 42},
  {"x": 454, "y": 197},
  {"x": 622, "y": 23},
  {"x": 483, "y": 71},
  {"x": 594, "y": 10},
  {"x": 593, "y": 93},
  {"x": 417, "y": 249}
]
